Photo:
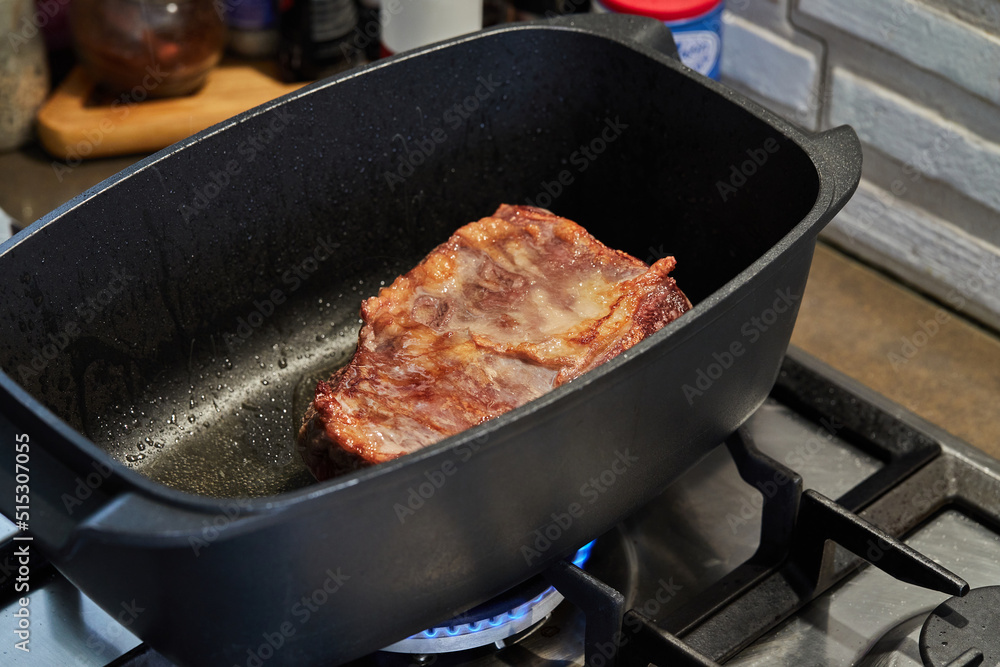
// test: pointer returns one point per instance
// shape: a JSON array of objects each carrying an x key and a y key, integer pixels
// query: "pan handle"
[
  {"x": 625, "y": 28},
  {"x": 66, "y": 507},
  {"x": 41, "y": 488},
  {"x": 838, "y": 157}
]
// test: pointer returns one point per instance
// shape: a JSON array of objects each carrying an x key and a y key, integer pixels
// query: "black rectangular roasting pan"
[{"x": 160, "y": 334}]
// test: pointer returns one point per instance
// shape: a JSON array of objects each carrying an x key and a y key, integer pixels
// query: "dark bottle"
[
  {"x": 369, "y": 30},
  {"x": 316, "y": 38},
  {"x": 534, "y": 9},
  {"x": 496, "y": 12}
]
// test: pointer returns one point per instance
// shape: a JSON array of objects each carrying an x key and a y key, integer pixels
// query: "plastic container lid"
[
  {"x": 414, "y": 23},
  {"x": 665, "y": 10}
]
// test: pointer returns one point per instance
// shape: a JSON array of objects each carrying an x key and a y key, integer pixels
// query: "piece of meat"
[{"x": 505, "y": 310}]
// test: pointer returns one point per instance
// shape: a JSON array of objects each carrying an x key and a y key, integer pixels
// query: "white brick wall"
[
  {"x": 917, "y": 136},
  {"x": 919, "y": 80},
  {"x": 936, "y": 256},
  {"x": 765, "y": 56},
  {"x": 927, "y": 37},
  {"x": 771, "y": 66}
]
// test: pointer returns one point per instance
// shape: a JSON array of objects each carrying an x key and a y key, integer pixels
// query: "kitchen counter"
[
  {"x": 32, "y": 183},
  {"x": 918, "y": 353},
  {"x": 915, "y": 351}
]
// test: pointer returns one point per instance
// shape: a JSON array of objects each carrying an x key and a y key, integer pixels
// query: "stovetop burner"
[
  {"x": 493, "y": 622},
  {"x": 963, "y": 631}
]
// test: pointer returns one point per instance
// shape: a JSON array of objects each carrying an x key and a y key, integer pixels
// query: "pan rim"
[{"x": 693, "y": 322}]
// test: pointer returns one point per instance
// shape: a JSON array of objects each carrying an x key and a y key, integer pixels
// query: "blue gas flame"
[{"x": 579, "y": 559}]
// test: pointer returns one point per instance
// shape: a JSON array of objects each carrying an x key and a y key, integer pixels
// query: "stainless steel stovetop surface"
[
  {"x": 872, "y": 620},
  {"x": 697, "y": 531},
  {"x": 708, "y": 523}
]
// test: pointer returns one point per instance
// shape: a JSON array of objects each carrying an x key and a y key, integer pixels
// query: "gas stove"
[{"x": 835, "y": 528}]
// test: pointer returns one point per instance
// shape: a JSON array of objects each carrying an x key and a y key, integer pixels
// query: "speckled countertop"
[{"x": 920, "y": 354}]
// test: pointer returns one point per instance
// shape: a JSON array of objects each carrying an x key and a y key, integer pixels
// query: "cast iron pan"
[{"x": 161, "y": 334}]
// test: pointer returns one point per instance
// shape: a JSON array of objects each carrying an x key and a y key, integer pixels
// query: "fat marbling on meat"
[{"x": 505, "y": 310}]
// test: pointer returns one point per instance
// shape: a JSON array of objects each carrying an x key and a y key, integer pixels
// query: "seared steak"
[{"x": 505, "y": 310}]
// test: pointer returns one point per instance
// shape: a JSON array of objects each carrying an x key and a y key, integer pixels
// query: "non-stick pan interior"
[{"x": 180, "y": 317}]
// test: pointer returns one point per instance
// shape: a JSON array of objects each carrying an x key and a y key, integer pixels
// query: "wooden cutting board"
[{"x": 73, "y": 126}]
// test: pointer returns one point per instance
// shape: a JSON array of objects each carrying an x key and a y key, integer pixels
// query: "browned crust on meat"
[{"x": 431, "y": 362}]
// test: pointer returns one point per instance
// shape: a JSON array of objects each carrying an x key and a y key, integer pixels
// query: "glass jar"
[{"x": 148, "y": 48}]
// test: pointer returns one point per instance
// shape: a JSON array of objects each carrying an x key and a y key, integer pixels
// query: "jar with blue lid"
[{"x": 696, "y": 24}]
